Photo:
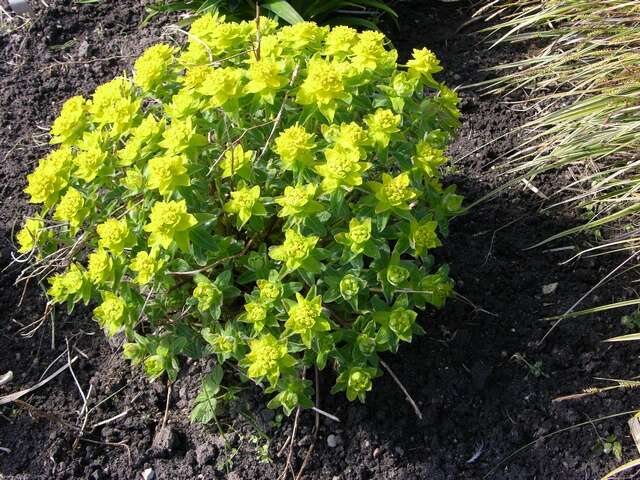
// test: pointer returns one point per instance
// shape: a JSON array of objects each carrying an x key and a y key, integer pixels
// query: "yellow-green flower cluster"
[
  {"x": 146, "y": 265},
  {"x": 170, "y": 222},
  {"x": 423, "y": 236},
  {"x": 393, "y": 192},
  {"x": 295, "y": 249},
  {"x": 207, "y": 294},
  {"x": 111, "y": 313},
  {"x": 168, "y": 172},
  {"x": 343, "y": 168},
  {"x": 71, "y": 121},
  {"x": 382, "y": 124},
  {"x": 181, "y": 135},
  {"x": 222, "y": 85},
  {"x": 115, "y": 235},
  {"x": 71, "y": 208},
  {"x": 66, "y": 284},
  {"x": 152, "y": 67},
  {"x": 323, "y": 86},
  {"x": 270, "y": 291},
  {"x": 369, "y": 53},
  {"x": 265, "y": 78},
  {"x": 296, "y": 200},
  {"x": 295, "y": 147},
  {"x": 358, "y": 235},
  {"x": 50, "y": 177},
  {"x": 267, "y": 358},
  {"x": 144, "y": 138},
  {"x": 236, "y": 162},
  {"x": 428, "y": 158},
  {"x": 424, "y": 63},
  {"x": 244, "y": 203},
  {"x": 100, "y": 269},
  {"x": 305, "y": 318},
  {"x": 30, "y": 234},
  {"x": 115, "y": 104}
]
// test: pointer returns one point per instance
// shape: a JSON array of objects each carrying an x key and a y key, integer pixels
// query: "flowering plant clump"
[{"x": 270, "y": 198}]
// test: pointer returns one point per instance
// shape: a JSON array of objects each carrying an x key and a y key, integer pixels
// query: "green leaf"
[
  {"x": 206, "y": 403},
  {"x": 284, "y": 10}
]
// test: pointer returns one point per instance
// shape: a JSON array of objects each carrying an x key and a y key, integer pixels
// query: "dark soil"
[{"x": 480, "y": 403}]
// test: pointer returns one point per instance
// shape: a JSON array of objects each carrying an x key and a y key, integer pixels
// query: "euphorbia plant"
[{"x": 271, "y": 198}]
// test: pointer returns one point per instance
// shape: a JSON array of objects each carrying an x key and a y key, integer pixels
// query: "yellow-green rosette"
[
  {"x": 423, "y": 63},
  {"x": 30, "y": 235},
  {"x": 295, "y": 146},
  {"x": 115, "y": 235},
  {"x": 181, "y": 136},
  {"x": 112, "y": 313},
  {"x": 298, "y": 201},
  {"x": 343, "y": 169},
  {"x": 245, "y": 202},
  {"x": 358, "y": 235},
  {"x": 71, "y": 208},
  {"x": 295, "y": 249},
  {"x": 306, "y": 318},
  {"x": 167, "y": 173},
  {"x": 170, "y": 222},
  {"x": 324, "y": 87},
  {"x": 265, "y": 78},
  {"x": 100, "y": 267},
  {"x": 268, "y": 357},
  {"x": 393, "y": 192},
  {"x": 237, "y": 162},
  {"x": 428, "y": 158},
  {"x": 71, "y": 122},
  {"x": 146, "y": 265},
  {"x": 152, "y": 67},
  {"x": 423, "y": 236},
  {"x": 382, "y": 125}
]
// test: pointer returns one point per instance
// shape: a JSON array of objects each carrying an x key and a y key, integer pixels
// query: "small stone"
[
  {"x": 149, "y": 474},
  {"x": 549, "y": 288},
  {"x": 267, "y": 415},
  {"x": 376, "y": 452},
  {"x": 83, "y": 49},
  {"x": 332, "y": 441},
  {"x": 305, "y": 441},
  {"x": 183, "y": 392},
  {"x": 166, "y": 441},
  {"x": 205, "y": 453},
  {"x": 399, "y": 451},
  {"x": 21, "y": 7},
  {"x": 117, "y": 339}
]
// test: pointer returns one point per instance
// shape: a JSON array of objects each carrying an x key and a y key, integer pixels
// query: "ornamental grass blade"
[
  {"x": 632, "y": 337},
  {"x": 622, "y": 468}
]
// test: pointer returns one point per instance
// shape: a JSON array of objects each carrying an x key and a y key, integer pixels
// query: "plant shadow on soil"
[{"x": 479, "y": 403}]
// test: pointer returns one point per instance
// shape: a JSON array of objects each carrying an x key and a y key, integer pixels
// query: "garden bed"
[{"x": 480, "y": 401}]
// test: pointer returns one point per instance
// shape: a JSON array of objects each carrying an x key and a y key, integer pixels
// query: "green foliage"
[
  {"x": 583, "y": 80},
  {"x": 356, "y": 13},
  {"x": 274, "y": 205},
  {"x": 611, "y": 446}
]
